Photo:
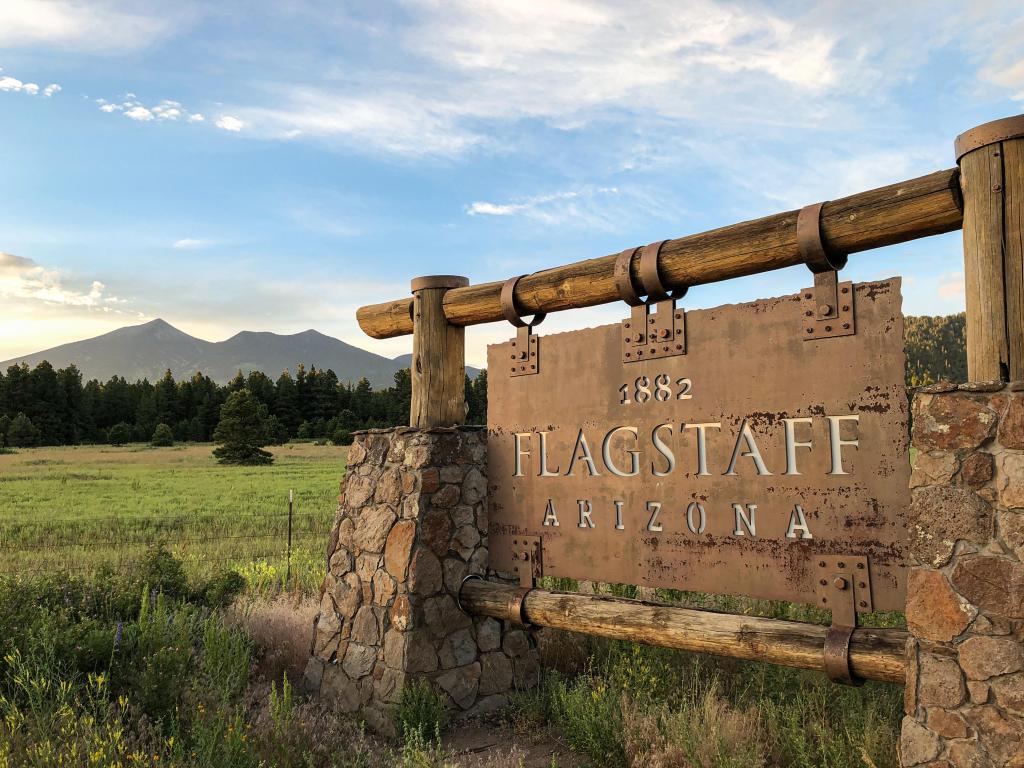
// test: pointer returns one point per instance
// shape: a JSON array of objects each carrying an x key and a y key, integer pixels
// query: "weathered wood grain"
[
  {"x": 438, "y": 364},
  {"x": 912, "y": 209},
  {"x": 875, "y": 654}
]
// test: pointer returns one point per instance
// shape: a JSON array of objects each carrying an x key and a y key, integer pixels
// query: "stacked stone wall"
[
  {"x": 411, "y": 525},
  {"x": 965, "y": 594}
]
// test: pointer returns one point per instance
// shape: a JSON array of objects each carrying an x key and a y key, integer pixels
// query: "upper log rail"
[{"x": 928, "y": 205}]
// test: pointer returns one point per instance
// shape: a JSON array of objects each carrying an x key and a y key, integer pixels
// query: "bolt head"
[{"x": 839, "y": 582}]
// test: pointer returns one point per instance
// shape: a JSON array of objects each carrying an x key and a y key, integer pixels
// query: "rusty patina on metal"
[{"x": 748, "y": 525}]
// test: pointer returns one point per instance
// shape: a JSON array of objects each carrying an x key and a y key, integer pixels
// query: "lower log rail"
[{"x": 875, "y": 654}]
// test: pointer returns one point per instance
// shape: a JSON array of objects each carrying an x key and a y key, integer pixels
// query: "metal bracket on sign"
[
  {"x": 843, "y": 585},
  {"x": 528, "y": 557},
  {"x": 525, "y": 352},
  {"x": 826, "y": 310},
  {"x": 650, "y": 335},
  {"x": 525, "y": 346}
]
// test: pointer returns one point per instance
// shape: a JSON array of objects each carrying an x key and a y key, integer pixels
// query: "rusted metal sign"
[{"x": 739, "y": 467}]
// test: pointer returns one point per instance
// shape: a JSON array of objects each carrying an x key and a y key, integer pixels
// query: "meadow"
[
  {"x": 85, "y": 531},
  {"x": 80, "y": 508}
]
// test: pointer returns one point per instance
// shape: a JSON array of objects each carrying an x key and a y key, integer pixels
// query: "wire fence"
[{"x": 282, "y": 547}]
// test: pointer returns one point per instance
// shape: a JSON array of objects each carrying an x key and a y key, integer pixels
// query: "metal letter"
[
  {"x": 544, "y": 457},
  {"x": 743, "y": 519},
  {"x": 792, "y": 444},
  {"x": 694, "y": 505},
  {"x": 581, "y": 442},
  {"x": 836, "y": 442},
  {"x": 664, "y": 450},
  {"x": 550, "y": 518},
  {"x": 797, "y": 522},
  {"x": 751, "y": 452},
  {"x": 618, "y": 516},
  {"x": 586, "y": 510},
  {"x": 634, "y": 463},
  {"x": 520, "y": 452},
  {"x": 654, "y": 508},
  {"x": 702, "y": 446}
]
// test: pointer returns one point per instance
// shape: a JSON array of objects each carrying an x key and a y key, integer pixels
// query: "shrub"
[
  {"x": 119, "y": 434},
  {"x": 162, "y": 437},
  {"x": 420, "y": 711},
  {"x": 23, "y": 433},
  {"x": 164, "y": 573},
  {"x": 342, "y": 437},
  {"x": 221, "y": 590}
]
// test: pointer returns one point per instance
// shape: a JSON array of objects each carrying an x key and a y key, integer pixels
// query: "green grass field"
[{"x": 78, "y": 508}]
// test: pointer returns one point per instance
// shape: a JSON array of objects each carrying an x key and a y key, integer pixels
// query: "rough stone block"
[
  {"x": 933, "y": 468},
  {"x": 949, "y": 725},
  {"x": 1011, "y": 426},
  {"x": 992, "y": 583},
  {"x": 1009, "y": 692},
  {"x": 977, "y": 469},
  {"x": 425, "y": 577},
  {"x": 942, "y": 515},
  {"x": 461, "y": 684},
  {"x": 934, "y": 611},
  {"x": 917, "y": 744},
  {"x": 1011, "y": 480},
  {"x": 952, "y": 421},
  {"x": 985, "y": 657},
  {"x": 398, "y": 548},
  {"x": 941, "y": 682}
]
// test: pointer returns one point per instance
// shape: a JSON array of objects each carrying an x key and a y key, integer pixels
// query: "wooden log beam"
[
  {"x": 928, "y": 205},
  {"x": 875, "y": 654}
]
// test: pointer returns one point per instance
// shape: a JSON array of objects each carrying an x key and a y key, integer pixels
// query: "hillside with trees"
[{"x": 47, "y": 406}]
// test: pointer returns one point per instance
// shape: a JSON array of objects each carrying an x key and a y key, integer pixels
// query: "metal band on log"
[
  {"x": 929, "y": 205},
  {"x": 875, "y": 654}
]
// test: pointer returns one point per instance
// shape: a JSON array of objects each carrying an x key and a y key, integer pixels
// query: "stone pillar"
[
  {"x": 965, "y": 594},
  {"x": 411, "y": 525}
]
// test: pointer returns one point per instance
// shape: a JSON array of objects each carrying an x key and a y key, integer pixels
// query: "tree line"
[
  {"x": 44, "y": 406},
  {"x": 47, "y": 406}
]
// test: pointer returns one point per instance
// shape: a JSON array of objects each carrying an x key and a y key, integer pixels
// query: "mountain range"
[{"x": 146, "y": 351}]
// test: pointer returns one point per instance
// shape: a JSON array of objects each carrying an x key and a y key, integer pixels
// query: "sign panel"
[{"x": 735, "y": 468}]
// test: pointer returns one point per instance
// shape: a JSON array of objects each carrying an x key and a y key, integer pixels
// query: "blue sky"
[{"x": 272, "y": 166}]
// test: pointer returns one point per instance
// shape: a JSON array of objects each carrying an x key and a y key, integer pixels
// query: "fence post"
[
  {"x": 438, "y": 356},
  {"x": 991, "y": 159},
  {"x": 288, "y": 574}
]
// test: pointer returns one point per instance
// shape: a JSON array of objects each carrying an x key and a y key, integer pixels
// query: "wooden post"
[
  {"x": 991, "y": 159},
  {"x": 438, "y": 356}
]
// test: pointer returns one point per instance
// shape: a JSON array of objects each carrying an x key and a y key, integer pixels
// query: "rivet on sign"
[
  {"x": 627, "y": 325},
  {"x": 533, "y": 354},
  {"x": 808, "y": 313},
  {"x": 824, "y": 599},
  {"x": 828, "y": 328},
  {"x": 861, "y": 584},
  {"x": 846, "y": 307},
  {"x": 628, "y": 354},
  {"x": 532, "y": 366},
  {"x": 679, "y": 346},
  {"x": 807, "y": 296},
  {"x": 842, "y": 565},
  {"x": 653, "y": 350},
  {"x": 997, "y": 188},
  {"x": 666, "y": 349},
  {"x": 651, "y": 321},
  {"x": 810, "y": 330},
  {"x": 513, "y": 343},
  {"x": 678, "y": 331},
  {"x": 863, "y": 604},
  {"x": 821, "y": 564},
  {"x": 846, "y": 326},
  {"x": 846, "y": 290},
  {"x": 823, "y": 582},
  {"x": 860, "y": 566}
]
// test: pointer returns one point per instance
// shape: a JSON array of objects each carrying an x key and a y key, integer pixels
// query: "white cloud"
[
  {"x": 229, "y": 123},
  {"x": 189, "y": 243},
  {"x": 98, "y": 26},
  {"x": 584, "y": 207},
  {"x": 196, "y": 118},
  {"x": 138, "y": 113},
  {"x": 22, "y": 278},
  {"x": 951, "y": 285},
  {"x": 14, "y": 85}
]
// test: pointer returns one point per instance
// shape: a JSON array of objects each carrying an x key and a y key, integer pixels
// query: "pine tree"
[
  {"x": 241, "y": 431},
  {"x": 23, "y": 433},
  {"x": 162, "y": 436},
  {"x": 120, "y": 433}
]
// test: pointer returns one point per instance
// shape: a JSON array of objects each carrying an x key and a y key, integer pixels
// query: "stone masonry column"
[
  {"x": 411, "y": 525},
  {"x": 965, "y": 594}
]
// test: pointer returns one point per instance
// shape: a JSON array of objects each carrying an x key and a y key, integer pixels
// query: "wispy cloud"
[
  {"x": 98, "y": 26},
  {"x": 191, "y": 244}
]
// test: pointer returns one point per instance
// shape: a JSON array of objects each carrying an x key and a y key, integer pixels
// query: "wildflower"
[{"x": 118, "y": 634}]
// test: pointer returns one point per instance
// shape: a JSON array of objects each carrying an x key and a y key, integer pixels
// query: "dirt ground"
[{"x": 495, "y": 744}]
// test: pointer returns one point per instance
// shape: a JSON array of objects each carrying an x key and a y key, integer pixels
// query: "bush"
[
  {"x": 164, "y": 573},
  {"x": 119, "y": 434},
  {"x": 162, "y": 437},
  {"x": 222, "y": 589},
  {"x": 420, "y": 711},
  {"x": 241, "y": 431},
  {"x": 22, "y": 433},
  {"x": 342, "y": 437}
]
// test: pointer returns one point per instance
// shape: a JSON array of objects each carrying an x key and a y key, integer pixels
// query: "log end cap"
[
  {"x": 439, "y": 281},
  {"x": 989, "y": 133}
]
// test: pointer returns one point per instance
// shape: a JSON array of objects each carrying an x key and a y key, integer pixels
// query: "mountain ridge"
[{"x": 147, "y": 350}]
